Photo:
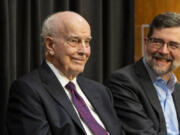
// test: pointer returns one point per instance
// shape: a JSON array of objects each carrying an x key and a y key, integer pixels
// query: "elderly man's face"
[{"x": 72, "y": 49}]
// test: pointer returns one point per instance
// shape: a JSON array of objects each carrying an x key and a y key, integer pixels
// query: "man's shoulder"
[
  {"x": 28, "y": 84},
  {"x": 89, "y": 81},
  {"x": 129, "y": 75},
  {"x": 127, "y": 68},
  {"x": 122, "y": 73},
  {"x": 94, "y": 87},
  {"x": 36, "y": 74},
  {"x": 129, "y": 71},
  {"x": 30, "y": 76},
  {"x": 30, "y": 79}
]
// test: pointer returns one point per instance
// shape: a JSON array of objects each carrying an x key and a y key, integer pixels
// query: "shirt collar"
[{"x": 60, "y": 76}]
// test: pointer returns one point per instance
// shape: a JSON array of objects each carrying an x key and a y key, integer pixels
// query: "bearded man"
[{"x": 146, "y": 94}]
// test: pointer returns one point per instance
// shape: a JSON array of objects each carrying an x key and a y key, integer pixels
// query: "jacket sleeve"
[
  {"x": 129, "y": 107},
  {"x": 25, "y": 115}
]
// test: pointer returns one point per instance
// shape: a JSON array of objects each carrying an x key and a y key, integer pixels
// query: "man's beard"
[{"x": 157, "y": 69}]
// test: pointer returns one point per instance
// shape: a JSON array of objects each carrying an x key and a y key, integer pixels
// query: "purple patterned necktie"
[{"x": 84, "y": 112}]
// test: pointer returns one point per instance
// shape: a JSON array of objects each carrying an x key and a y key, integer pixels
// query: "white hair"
[{"x": 49, "y": 27}]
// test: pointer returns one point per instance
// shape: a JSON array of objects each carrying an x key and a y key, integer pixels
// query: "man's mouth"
[
  {"x": 78, "y": 60},
  {"x": 162, "y": 58}
]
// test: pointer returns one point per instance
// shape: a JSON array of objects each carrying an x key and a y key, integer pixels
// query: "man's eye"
[
  {"x": 74, "y": 40},
  {"x": 157, "y": 41},
  {"x": 87, "y": 41},
  {"x": 173, "y": 45}
]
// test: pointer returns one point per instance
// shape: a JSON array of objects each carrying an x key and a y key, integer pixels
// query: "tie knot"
[{"x": 70, "y": 86}]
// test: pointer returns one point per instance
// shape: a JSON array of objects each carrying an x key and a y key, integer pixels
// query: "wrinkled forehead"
[
  {"x": 169, "y": 34},
  {"x": 77, "y": 28}
]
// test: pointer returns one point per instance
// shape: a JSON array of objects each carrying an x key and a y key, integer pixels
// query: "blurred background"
[{"x": 118, "y": 28}]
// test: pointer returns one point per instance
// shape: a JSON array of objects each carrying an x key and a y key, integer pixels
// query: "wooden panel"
[{"x": 145, "y": 10}]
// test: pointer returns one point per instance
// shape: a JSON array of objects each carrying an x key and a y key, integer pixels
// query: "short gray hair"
[
  {"x": 164, "y": 20},
  {"x": 49, "y": 27}
]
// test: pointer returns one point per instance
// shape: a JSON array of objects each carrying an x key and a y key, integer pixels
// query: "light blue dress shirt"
[{"x": 164, "y": 91}]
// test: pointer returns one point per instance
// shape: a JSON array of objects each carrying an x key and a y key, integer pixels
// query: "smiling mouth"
[
  {"x": 162, "y": 59},
  {"x": 78, "y": 60}
]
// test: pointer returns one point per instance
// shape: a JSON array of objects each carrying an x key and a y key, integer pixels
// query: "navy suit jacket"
[
  {"x": 136, "y": 101},
  {"x": 38, "y": 105}
]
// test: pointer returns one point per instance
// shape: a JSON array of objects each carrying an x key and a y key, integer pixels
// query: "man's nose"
[
  {"x": 82, "y": 47},
  {"x": 164, "y": 49}
]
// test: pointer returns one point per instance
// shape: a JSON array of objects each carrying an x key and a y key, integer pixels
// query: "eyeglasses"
[
  {"x": 157, "y": 43},
  {"x": 75, "y": 41}
]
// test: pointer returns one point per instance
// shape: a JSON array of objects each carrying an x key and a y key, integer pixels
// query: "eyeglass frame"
[{"x": 171, "y": 45}]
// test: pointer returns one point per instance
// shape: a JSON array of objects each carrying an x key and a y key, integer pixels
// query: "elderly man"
[
  {"x": 54, "y": 99},
  {"x": 146, "y": 94}
]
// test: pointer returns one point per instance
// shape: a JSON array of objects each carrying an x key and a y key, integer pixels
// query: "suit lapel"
[
  {"x": 90, "y": 93},
  {"x": 55, "y": 89},
  {"x": 95, "y": 100},
  {"x": 176, "y": 96},
  {"x": 148, "y": 88}
]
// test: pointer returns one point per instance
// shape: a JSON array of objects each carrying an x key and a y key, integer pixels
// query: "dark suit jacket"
[
  {"x": 38, "y": 105},
  {"x": 136, "y": 101}
]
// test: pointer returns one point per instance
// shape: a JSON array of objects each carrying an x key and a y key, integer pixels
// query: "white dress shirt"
[
  {"x": 164, "y": 91},
  {"x": 64, "y": 80}
]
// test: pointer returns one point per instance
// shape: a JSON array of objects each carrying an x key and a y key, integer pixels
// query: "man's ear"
[{"x": 49, "y": 44}]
